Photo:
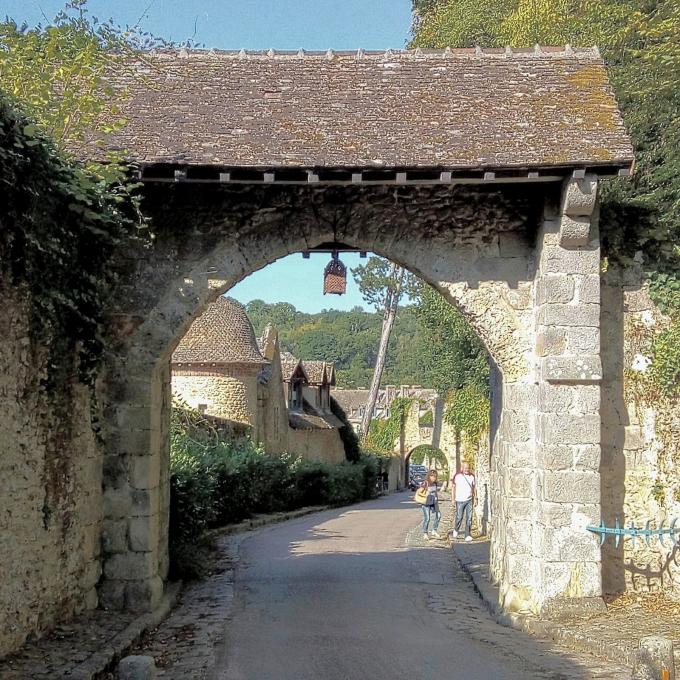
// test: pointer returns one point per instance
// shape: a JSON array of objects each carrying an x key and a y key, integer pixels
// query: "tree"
[{"x": 381, "y": 284}]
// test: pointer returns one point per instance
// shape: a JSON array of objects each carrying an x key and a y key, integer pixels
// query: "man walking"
[{"x": 463, "y": 494}]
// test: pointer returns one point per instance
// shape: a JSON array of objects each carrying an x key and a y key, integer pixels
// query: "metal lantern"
[{"x": 335, "y": 277}]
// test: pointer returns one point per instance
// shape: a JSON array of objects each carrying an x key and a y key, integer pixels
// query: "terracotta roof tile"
[
  {"x": 427, "y": 108},
  {"x": 222, "y": 334},
  {"x": 316, "y": 371}
]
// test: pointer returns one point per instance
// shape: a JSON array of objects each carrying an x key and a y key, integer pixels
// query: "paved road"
[{"x": 357, "y": 594}]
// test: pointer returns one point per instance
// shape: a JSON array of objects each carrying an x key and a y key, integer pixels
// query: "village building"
[
  {"x": 216, "y": 364},
  {"x": 314, "y": 429},
  {"x": 353, "y": 401},
  {"x": 220, "y": 369}
]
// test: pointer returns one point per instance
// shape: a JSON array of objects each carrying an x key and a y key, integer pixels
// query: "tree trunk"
[{"x": 392, "y": 297}]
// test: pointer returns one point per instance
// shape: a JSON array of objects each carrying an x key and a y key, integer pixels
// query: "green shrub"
[{"x": 217, "y": 481}]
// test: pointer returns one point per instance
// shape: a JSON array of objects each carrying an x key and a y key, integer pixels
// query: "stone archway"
[{"x": 498, "y": 251}]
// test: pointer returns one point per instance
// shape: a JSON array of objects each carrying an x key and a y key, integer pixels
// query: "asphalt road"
[{"x": 356, "y": 594}]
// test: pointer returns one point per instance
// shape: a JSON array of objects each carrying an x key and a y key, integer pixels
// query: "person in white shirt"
[{"x": 463, "y": 495}]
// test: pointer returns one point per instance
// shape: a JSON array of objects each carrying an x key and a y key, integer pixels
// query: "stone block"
[
  {"x": 144, "y": 595},
  {"x": 117, "y": 502},
  {"x": 654, "y": 656},
  {"x": 569, "y": 315},
  {"x": 574, "y": 231},
  {"x": 144, "y": 533},
  {"x": 571, "y": 487},
  {"x": 556, "y": 515},
  {"x": 145, "y": 502},
  {"x": 634, "y": 438},
  {"x": 519, "y": 571},
  {"x": 130, "y": 566},
  {"x": 145, "y": 471},
  {"x": 519, "y": 536},
  {"x": 571, "y": 580},
  {"x": 114, "y": 536},
  {"x": 516, "y": 393},
  {"x": 587, "y": 457},
  {"x": 516, "y": 427},
  {"x": 556, "y": 398},
  {"x": 555, "y": 288},
  {"x": 551, "y": 341},
  {"x": 519, "y": 509},
  {"x": 558, "y": 260},
  {"x": 582, "y": 340},
  {"x": 572, "y": 369},
  {"x": 137, "y": 668},
  {"x": 560, "y": 429},
  {"x": 522, "y": 455},
  {"x": 112, "y": 594},
  {"x": 519, "y": 483},
  {"x": 588, "y": 289},
  {"x": 580, "y": 196},
  {"x": 555, "y": 457}
]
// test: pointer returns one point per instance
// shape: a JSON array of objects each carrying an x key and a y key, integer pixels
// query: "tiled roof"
[
  {"x": 457, "y": 109},
  {"x": 309, "y": 419},
  {"x": 223, "y": 334},
  {"x": 350, "y": 400},
  {"x": 318, "y": 372},
  {"x": 289, "y": 365}
]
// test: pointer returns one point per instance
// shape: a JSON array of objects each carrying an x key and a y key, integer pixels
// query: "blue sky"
[{"x": 260, "y": 24}]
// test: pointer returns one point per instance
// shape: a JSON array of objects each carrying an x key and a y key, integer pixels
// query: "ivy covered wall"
[{"x": 58, "y": 227}]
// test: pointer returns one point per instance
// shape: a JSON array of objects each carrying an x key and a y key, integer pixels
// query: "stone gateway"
[{"x": 477, "y": 170}]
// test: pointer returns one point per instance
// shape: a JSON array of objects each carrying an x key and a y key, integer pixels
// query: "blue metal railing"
[{"x": 631, "y": 531}]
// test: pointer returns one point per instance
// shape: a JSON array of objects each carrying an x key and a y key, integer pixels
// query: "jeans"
[
  {"x": 464, "y": 509},
  {"x": 428, "y": 511}
]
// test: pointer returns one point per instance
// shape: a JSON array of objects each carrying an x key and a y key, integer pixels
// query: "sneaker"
[
  {"x": 426, "y": 537},
  {"x": 468, "y": 539},
  {"x": 454, "y": 534},
  {"x": 435, "y": 534}
]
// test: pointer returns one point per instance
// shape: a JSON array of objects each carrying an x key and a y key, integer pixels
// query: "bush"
[{"x": 217, "y": 481}]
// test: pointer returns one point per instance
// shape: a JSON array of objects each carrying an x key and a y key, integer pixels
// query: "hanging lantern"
[{"x": 335, "y": 277}]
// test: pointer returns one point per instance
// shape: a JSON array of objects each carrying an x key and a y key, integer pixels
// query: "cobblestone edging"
[
  {"x": 84, "y": 648},
  {"x": 610, "y": 636}
]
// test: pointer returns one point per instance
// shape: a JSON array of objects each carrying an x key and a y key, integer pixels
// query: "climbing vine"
[
  {"x": 59, "y": 225},
  {"x": 467, "y": 409},
  {"x": 384, "y": 433}
]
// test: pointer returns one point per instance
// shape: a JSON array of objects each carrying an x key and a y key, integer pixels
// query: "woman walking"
[{"x": 431, "y": 505}]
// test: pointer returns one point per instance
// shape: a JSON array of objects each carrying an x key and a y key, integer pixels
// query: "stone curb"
[
  {"x": 263, "y": 520},
  {"x": 115, "y": 648},
  {"x": 528, "y": 623}
]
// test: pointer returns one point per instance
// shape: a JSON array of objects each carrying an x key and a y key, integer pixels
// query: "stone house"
[
  {"x": 314, "y": 429},
  {"x": 215, "y": 366},
  {"x": 219, "y": 368}
]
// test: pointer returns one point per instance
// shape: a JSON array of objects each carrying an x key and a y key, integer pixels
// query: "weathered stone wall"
[
  {"x": 50, "y": 491},
  {"x": 227, "y": 392},
  {"x": 272, "y": 409},
  {"x": 322, "y": 445},
  {"x": 640, "y": 440}
]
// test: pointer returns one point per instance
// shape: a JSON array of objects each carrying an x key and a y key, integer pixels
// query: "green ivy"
[
  {"x": 420, "y": 452},
  {"x": 384, "y": 433},
  {"x": 59, "y": 228},
  {"x": 467, "y": 410}
]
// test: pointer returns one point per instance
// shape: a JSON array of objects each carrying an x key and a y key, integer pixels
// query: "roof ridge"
[{"x": 537, "y": 51}]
